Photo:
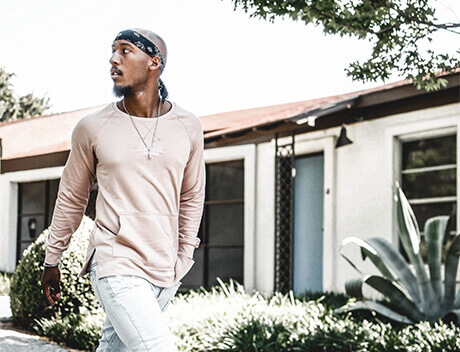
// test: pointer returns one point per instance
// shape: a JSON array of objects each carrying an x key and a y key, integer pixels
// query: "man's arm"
[
  {"x": 191, "y": 201},
  {"x": 74, "y": 188}
]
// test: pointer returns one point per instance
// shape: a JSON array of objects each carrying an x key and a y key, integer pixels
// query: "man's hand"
[{"x": 50, "y": 284}]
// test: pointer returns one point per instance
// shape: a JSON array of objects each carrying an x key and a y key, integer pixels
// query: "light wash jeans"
[{"x": 134, "y": 319}]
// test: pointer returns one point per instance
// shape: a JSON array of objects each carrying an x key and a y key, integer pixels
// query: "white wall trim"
[
  {"x": 447, "y": 122},
  {"x": 248, "y": 154},
  {"x": 9, "y": 205}
]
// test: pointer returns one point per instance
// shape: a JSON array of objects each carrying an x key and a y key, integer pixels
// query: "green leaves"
[
  {"x": 12, "y": 107},
  {"x": 397, "y": 30},
  {"x": 27, "y": 301},
  {"x": 435, "y": 231},
  {"x": 228, "y": 318},
  {"x": 417, "y": 297}
]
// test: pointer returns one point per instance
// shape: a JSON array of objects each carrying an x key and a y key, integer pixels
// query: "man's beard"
[{"x": 122, "y": 91}]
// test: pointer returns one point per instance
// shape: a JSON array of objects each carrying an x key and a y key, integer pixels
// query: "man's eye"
[{"x": 126, "y": 51}]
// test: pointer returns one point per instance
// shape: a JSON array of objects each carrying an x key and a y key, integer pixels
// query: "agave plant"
[{"x": 414, "y": 293}]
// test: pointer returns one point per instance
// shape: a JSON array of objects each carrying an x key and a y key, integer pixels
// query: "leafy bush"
[
  {"x": 226, "y": 318},
  {"x": 81, "y": 331},
  {"x": 330, "y": 300},
  {"x": 26, "y": 296}
]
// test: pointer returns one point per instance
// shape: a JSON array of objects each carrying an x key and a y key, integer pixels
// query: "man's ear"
[{"x": 155, "y": 63}]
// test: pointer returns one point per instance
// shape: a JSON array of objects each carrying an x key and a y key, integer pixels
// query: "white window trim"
[
  {"x": 443, "y": 121},
  {"x": 9, "y": 197},
  {"x": 247, "y": 153}
]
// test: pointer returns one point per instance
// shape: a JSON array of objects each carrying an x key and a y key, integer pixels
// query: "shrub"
[
  {"x": 26, "y": 296},
  {"x": 81, "y": 331},
  {"x": 226, "y": 318}
]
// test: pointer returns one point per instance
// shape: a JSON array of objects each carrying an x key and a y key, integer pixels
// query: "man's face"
[{"x": 129, "y": 67}]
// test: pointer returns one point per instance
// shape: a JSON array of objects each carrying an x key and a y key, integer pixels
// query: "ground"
[{"x": 16, "y": 340}]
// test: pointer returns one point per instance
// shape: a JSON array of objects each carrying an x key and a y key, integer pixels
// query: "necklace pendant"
[{"x": 150, "y": 152}]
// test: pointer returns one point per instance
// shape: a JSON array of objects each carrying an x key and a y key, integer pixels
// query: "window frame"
[
  {"x": 428, "y": 200},
  {"x": 205, "y": 246},
  {"x": 248, "y": 154},
  {"x": 422, "y": 132}
]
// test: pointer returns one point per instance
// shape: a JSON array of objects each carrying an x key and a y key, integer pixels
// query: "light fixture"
[
  {"x": 32, "y": 224},
  {"x": 343, "y": 139}
]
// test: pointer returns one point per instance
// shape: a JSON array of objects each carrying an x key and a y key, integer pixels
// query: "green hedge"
[
  {"x": 26, "y": 297},
  {"x": 226, "y": 318}
]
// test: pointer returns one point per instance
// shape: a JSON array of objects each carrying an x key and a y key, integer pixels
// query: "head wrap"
[{"x": 148, "y": 47}]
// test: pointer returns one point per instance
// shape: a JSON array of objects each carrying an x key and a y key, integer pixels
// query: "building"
[{"x": 281, "y": 196}]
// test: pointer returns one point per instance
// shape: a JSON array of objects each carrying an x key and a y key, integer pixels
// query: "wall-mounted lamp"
[
  {"x": 343, "y": 139},
  {"x": 32, "y": 224}
]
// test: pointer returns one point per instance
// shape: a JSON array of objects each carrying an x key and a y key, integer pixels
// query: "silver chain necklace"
[{"x": 149, "y": 149}]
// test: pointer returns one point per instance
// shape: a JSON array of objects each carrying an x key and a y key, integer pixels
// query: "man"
[{"x": 147, "y": 155}]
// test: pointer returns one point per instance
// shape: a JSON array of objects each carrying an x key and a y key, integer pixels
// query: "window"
[
  {"x": 36, "y": 202},
  {"x": 35, "y": 210},
  {"x": 429, "y": 179},
  {"x": 222, "y": 228}
]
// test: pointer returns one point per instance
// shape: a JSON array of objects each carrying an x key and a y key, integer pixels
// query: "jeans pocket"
[{"x": 167, "y": 295}]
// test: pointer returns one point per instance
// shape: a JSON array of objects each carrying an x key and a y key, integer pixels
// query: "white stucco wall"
[{"x": 358, "y": 183}]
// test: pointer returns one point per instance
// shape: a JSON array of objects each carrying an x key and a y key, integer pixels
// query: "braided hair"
[{"x": 162, "y": 90}]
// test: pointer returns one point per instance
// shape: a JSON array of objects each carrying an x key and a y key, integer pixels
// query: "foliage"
[
  {"x": 81, "y": 331},
  {"x": 328, "y": 299},
  {"x": 398, "y": 30},
  {"x": 13, "y": 107},
  {"x": 226, "y": 318},
  {"x": 5, "y": 283},
  {"x": 26, "y": 297},
  {"x": 414, "y": 295}
]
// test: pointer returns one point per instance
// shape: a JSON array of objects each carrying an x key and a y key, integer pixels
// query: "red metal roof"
[
  {"x": 40, "y": 134},
  {"x": 218, "y": 124},
  {"x": 51, "y": 133}
]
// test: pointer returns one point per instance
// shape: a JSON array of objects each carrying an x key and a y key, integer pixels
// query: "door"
[{"x": 308, "y": 223}]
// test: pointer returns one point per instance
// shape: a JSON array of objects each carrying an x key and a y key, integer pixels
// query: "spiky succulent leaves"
[
  {"x": 375, "y": 307},
  {"x": 399, "y": 266},
  {"x": 367, "y": 251},
  {"x": 389, "y": 261},
  {"x": 410, "y": 239},
  {"x": 407, "y": 225},
  {"x": 435, "y": 229},
  {"x": 403, "y": 304},
  {"x": 354, "y": 288},
  {"x": 450, "y": 276}
]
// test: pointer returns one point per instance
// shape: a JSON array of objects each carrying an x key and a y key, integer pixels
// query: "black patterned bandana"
[{"x": 142, "y": 43}]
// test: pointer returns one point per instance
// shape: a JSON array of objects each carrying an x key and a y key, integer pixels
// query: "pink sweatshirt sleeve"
[
  {"x": 74, "y": 188},
  {"x": 192, "y": 194}
]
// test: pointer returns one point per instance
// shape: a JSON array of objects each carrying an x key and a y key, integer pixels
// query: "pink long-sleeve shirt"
[{"x": 148, "y": 211}]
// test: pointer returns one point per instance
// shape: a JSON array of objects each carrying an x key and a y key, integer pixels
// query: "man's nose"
[{"x": 114, "y": 59}]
